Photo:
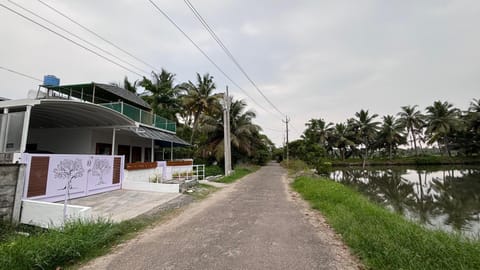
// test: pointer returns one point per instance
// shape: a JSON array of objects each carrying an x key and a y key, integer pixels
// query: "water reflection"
[{"x": 436, "y": 197}]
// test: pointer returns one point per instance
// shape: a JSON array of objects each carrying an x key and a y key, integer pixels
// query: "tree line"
[
  {"x": 198, "y": 111},
  {"x": 453, "y": 131}
]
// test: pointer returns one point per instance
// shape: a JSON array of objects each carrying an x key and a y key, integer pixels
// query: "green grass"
[
  {"x": 384, "y": 240},
  {"x": 237, "y": 174}
]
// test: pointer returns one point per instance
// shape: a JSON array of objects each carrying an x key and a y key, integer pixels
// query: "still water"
[{"x": 443, "y": 197}]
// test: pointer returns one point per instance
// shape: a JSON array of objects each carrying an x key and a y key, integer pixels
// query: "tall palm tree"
[
  {"x": 442, "y": 118},
  {"x": 164, "y": 94},
  {"x": 317, "y": 131},
  {"x": 366, "y": 129},
  {"x": 127, "y": 85},
  {"x": 244, "y": 134},
  {"x": 391, "y": 133},
  {"x": 412, "y": 120},
  {"x": 200, "y": 98},
  {"x": 341, "y": 138}
]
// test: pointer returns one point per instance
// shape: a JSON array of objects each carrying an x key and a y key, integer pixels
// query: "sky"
[{"x": 311, "y": 59}]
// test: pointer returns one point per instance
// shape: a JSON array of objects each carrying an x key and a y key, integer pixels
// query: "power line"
[
  {"x": 202, "y": 52},
  {"x": 227, "y": 52},
  {"x": 21, "y": 74},
  {"x": 80, "y": 38},
  {"x": 97, "y": 35},
  {"x": 71, "y": 40}
]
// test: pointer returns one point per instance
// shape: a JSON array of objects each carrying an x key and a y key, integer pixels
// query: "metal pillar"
[
  {"x": 152, "y": 152},
  {"x": 3, "y": 130},
  {"x": 171, "y": 150}
]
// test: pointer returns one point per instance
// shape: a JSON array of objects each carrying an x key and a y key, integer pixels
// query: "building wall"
[
  {"x": 62, "y": 140},
  {"x": 11, "y": 190},
  {"x": 121, "y": 138}
]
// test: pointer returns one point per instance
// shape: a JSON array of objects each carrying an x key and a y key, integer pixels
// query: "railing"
[
  {"x": 197, "y": 173},
  {"x": 142, "y": 116}
]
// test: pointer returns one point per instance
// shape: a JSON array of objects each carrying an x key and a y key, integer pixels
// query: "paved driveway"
[{"x": 251, "y": 224}]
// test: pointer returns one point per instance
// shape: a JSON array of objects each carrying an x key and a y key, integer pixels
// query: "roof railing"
[{"x": 142, "y": 116}]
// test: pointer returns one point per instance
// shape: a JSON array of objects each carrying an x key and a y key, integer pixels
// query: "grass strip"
[
  {"x": 237, "y": 174},
  {"x": 382, "y": 239}
]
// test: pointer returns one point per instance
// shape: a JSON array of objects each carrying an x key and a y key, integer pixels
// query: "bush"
[
  {"x": 323, "y": 167},
  {"x": 295, "y": 165},
  {"x": 213, "y": 170}
]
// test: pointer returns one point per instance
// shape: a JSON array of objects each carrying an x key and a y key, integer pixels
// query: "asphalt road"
[{"x": 251, "y": 224}]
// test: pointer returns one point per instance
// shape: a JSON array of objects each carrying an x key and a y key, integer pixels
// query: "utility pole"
[
  {"x": 226, "y": 133},
  {"x": 286, "y": 126}
]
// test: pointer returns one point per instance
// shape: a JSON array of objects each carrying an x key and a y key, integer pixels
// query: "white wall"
[
  {"x": 50, "y": 215},
  {"x": 144, "y": 175},
  {"x": 155, "y": 187},
  {"x": 62, "y": 140}
]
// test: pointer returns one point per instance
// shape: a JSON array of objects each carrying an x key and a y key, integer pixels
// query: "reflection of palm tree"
[
  {"x": 457, "y": 198},
  {"x": 395, "y": 191},
  {"x": 422, "y": 205}
]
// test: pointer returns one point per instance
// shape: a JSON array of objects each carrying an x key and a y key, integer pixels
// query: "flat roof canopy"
[
  {"x": 104, "y": 93},
  {"x": 165, "y": 139}
]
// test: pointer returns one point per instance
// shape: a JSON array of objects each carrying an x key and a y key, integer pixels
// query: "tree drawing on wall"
[
  {"x": 69, "y": 170},
  {"x": 99, "y": 168}
]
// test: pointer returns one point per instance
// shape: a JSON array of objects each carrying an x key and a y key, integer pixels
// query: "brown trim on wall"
[
  {"x": 116, "y": 170},
  {"x": 37, "y": 180}
]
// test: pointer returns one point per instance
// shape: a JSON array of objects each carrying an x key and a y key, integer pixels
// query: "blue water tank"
[{"x": 51, "y": 80}]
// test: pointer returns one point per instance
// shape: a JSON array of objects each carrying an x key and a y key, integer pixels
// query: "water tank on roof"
[{"x": 51, "y": 80}]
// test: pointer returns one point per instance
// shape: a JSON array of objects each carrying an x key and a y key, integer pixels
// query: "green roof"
[{"x": 100, "y": 93}]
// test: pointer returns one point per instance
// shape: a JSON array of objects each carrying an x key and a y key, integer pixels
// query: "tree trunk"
[
  {"x": 445, "y": 141},
  {"x": 414, "y": 141}
]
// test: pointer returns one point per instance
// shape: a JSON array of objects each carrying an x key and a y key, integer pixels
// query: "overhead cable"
[
  {"x": 228, "y": 53},
  {"x": 69, "y": 39},
  {"x": 98, "y": 35},
  {"x": 203, "y": 52},
  {"x": 78, "y": 37}
]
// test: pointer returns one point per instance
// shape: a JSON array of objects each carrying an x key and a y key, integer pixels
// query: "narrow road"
[{"x": 252, "y": 224}]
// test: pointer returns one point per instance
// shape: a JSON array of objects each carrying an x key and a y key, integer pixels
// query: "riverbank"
[
  {"x": 420, "y": 160},
  {"x": 382, "y": 239}
]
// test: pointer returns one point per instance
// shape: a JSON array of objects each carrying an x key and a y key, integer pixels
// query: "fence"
[
  {"x": 197, "y": 172},
  {"x": 142, "y": 116}
]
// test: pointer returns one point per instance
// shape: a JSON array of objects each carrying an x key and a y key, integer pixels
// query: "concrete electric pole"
[
  {"x": 226, "y": 134},
  {"x": 286, "y": 126}
]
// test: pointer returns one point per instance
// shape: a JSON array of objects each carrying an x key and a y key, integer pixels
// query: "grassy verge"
[
  {"x": 237, "y": 174},
  {"x": 384, "y": 240},
  {"x": 78, "y": 242}
]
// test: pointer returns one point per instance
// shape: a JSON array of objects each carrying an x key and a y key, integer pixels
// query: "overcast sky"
[{"x": 312, "y": 59}]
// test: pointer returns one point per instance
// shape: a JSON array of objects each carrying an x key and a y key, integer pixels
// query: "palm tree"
[
  {"x": 164, "y": 94},
  {"x": 340, "y": 138},
  {"x": 412, "y": 120},
  {"x": 127, "y": 85},
  {"x": 244, "y": 134},
  {"x": 366, "y": 129},
  {"x": 317, "y": 131},
  {"x": 442, "y": 119},
  {"x": 200, "y": 99},
  {"x": 391, "y": 133}
]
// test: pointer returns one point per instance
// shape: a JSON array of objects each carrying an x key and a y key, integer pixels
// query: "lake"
[{"x": 444, "y": 197}]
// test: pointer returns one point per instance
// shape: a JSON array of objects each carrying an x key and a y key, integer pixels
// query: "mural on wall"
[
  {"x": 67, "y": 171},
  {"x": 100, "y": 170}
]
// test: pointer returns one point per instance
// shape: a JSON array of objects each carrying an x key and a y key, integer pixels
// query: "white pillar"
[
  {"x": 113, "y": 142},
  {"x": 26, "y": 123},
  {"x": 171, "y": 150},
  {"x": 152, "y": 152},
  {"x": 3, "y": 130}
]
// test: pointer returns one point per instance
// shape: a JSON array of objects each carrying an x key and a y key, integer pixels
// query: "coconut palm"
[
  {"x": 199, "y": 99},
  {"x": 391, "y": 134},
  {"x": 341, "y": 138},
  {"x": 412, "y": 120},
  {"x": 317, "y": 131},
  {"x": 442, "y": 118},
  {"x": 366, "y": 129},
  {"x": 164, "y": 94},
  {"x": 244, "y": 134}
]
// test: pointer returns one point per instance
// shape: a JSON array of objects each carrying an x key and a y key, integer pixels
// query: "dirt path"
[{"x": 256, "y": 223}]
